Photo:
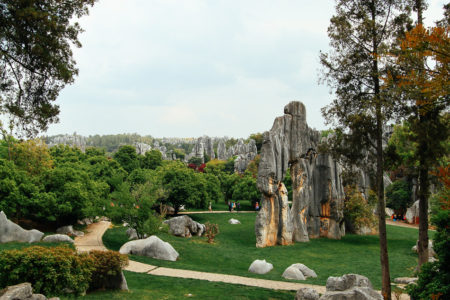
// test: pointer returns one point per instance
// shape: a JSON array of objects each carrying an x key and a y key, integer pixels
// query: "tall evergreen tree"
[{"x": 360, "y": 33}]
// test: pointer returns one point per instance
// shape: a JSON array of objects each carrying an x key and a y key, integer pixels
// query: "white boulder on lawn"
[
  {"x": 234, "y": 221},
  {"x": 152, "y": 247},
  {"x": 11, "y": 232},
  {"x": 298, "y": 272},
  {"x": 260, "y": 267},
  {"x": 57, "y": 238}
]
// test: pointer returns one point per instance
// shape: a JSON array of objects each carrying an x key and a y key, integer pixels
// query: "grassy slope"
[
  {"x": 143, "y": 286},
  {"x": 235, "y": 250},
  {"x": 18, "y": 246}
]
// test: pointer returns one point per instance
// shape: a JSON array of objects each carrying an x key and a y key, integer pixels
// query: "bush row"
[{"x": 59, "y": 270}]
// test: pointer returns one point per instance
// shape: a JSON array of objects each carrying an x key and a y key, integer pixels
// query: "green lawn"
[
  {"x": 235, "y": 250},
  {"x": 143, "y": 286}
]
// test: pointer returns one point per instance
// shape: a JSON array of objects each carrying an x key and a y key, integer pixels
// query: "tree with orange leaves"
[{"x": 422, "y": 88}]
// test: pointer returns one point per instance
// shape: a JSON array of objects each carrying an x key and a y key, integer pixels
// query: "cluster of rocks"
[
  {"x": 203, "y": 146},
  {"x": 151, "y": 247},
  {"x": 318, "y": 192},
  {"x": 295, "y": 271},
  {"x": 184, "y": 226},
  {"x": 22, "y": 291},
  {"x": 11, "y": 232},
  {"x": 349, "y": 287},
  {"x": 72, "y": 140}
]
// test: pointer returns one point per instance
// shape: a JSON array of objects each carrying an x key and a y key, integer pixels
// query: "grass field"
[
  {"x": 235, "y": 250},
  {"x": 143, "y": 286}
]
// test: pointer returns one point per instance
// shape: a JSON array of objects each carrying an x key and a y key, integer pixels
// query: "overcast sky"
[{"x": 186, "y": 68}]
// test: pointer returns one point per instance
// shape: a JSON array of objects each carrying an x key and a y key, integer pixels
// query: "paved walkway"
[{"x": 92, "y": 240}]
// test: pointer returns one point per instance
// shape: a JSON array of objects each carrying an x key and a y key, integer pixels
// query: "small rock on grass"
[{"x": 260, "y": 267}]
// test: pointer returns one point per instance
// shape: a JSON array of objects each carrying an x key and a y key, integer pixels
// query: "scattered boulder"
[
  {"x": 22, "y": 291},
  {"x": 57, "y": 238},
  {"x": 350, "y": 287},
  {"x": 69, "y": 231},
  {"x": 260, "y": 267},
  {"x": 184, "y": 226},
  {"x": 405, "y": 280},
  {"x": 307, "y": 294},
  {"x": 234, "y": 221},
  {"x": 412, "y": 213},
  {"x": 152, "y": 247},
  {"x": 11, "y": 232},
  {"x": 298, "y": 272},
  {"x": 85, "y": 221},
  {"x": 293, "y": 273}
]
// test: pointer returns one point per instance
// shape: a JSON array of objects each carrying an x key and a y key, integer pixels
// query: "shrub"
[
  {"x": 211, "y": 231},
  {"x": 51, "y": 271},
  {"x": 398, "y": 196},
  {"x": 358, "y": 212},
  {"x": 107, "y": 266}
]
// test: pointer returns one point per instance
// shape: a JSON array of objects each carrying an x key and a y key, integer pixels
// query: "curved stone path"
[{"x": 92, "y": 240}]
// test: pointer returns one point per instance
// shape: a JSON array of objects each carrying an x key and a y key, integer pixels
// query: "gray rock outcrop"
[
  {"x": 412, "y": 213},
  {"x": 22, "y": 291},
  {"x": 431, "y": 252},
  {"x": 58, "y": 238},
  {"x": 318, "y": 193},
  {"x": 298, "y": 272},
  {"x": 307, "y": 294},
  {"x": 184, "y": 226},
  {"x": 350, "y": 287},
  {"x": 11, "y": 232},
  {"x": 405, "y": 280},
  {"x": 132, "y": 234},
  {"x": 69, "y": 231},
  {"x": 152, "y": 247},
  {"x": 260, "y": 267}
]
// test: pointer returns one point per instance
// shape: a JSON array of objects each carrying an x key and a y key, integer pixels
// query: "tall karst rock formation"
[{"x": 318, "y": 194}]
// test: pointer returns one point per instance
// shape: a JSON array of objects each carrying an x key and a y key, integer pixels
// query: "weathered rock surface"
[
  {"x": 298, "y": 272},
  {"x": 132, "y": 234},
  {"x": 69, "y": 231},
  {"x": 412, "y": 213},
  {"x": 405, "y": 280},
  {"x": 11, "y": 232},
  {"x": 234, "y": 221},
  {"x": 260, "y": 267},
  {"x": 57, "y": 238},
  {"x": 350, "y": 287},
  {"x": 152, "y": 247},
  {"x": 22, "y": 291},
  {"x": 318, "y": 194},
  {"x": 184, "y": 226},
  {"x": 307, "y": 294},
  {"x": 431, "y": 252}
]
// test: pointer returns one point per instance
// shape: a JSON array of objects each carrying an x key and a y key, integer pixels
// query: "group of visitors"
[{"x": 234, "y": 206}]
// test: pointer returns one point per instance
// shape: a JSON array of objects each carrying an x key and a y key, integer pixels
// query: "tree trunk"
[
  {"x": 422, "y": 245},
  {"x": 384, "y": 258}
]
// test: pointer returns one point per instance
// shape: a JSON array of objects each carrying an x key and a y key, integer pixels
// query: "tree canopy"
[{"x": 36, "y": 59}]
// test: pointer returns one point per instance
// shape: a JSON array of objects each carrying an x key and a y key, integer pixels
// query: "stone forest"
[{"x": 206, "y": 200}]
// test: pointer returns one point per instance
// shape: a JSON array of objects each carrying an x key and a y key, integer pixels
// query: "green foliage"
[
  {"x": 288, "y": 183},
  {"x": 229, "y": 165},
  {"x": 133, "y": 203},
  {"x": 152, "y": 159},
  {"x": 50, "y": 270},
  {"x": 434, "y": 278},
  {"x": 126, "y": 156},
  {"x": 215, "y": 167},
  {"x": 398, "y": 196},
  {"x": 253, "y": 166},
  {"x": 326, "y": 133},
  {"x": 245, "y": 189},
  {"x": 227, "y": 183},
  {"x": 358, "y": 212},
  {"x": 106, "y": 265},
  {"x": 36, "y": 58}
]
